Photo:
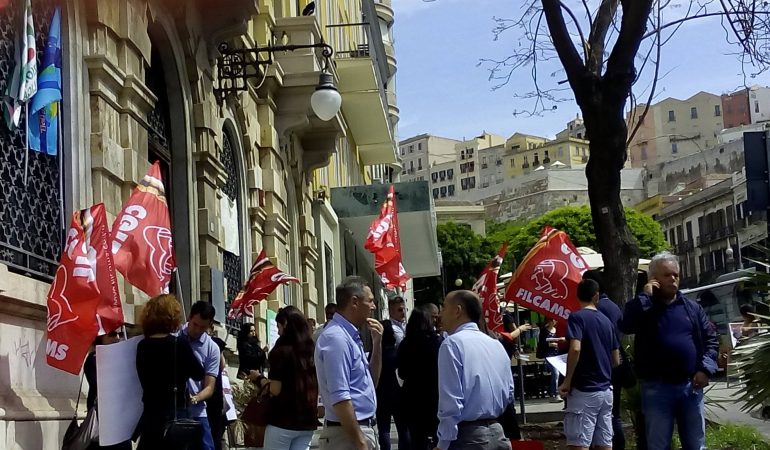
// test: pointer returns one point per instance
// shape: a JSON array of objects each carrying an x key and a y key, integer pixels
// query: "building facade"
[
  {"x": 705, "y": 220},
  {"x": 419, "y": 153},
  {"x": 675, "y": 128},
  {"x": 249, "y": 173}
]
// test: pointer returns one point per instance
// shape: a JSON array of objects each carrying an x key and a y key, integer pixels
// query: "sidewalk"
[{"x": 727, "y": 398}]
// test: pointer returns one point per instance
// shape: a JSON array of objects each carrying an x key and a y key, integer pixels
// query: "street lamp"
[{"x": 237, "y": 65}]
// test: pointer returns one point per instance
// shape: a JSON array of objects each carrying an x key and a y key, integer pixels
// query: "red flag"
[
  {"x": 85, "y": 280},
  {"x": 486, "y": 287},
  {"x": 546, "y": 280},
  {"x": 263, "y": 280},
  {"x": 384, "y": 241},
  {"x": 4, "y": 3},
  {"x": 141, "y": 237}
]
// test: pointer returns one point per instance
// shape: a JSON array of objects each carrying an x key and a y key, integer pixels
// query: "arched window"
[
  {"x": 32, "y": 220},
  {"x": 232, "y": 255}
]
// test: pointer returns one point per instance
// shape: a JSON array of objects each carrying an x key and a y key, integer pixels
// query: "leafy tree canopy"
[{"x": 576, "y": 222}]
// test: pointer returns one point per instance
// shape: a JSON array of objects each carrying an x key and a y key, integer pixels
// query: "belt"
[
  {"x": 370, "y": 422},
  {"x": 478, "y": 423}
]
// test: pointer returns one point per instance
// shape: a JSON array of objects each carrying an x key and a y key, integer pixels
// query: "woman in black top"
[
  {"x": 250, "y": 354},
  {"x": 164, "y": 363},
  {"x": 418, "y": 367},
  {"x": 293, "y": 386},
  {"x": 89, "y": 369}
]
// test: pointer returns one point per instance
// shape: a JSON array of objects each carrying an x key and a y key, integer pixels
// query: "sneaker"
[{"x": 556, "y": 399}]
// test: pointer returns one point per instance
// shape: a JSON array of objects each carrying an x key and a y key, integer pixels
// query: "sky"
[{"x": 443, "y": 91}]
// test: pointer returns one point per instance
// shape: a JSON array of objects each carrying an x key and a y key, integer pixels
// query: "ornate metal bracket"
[{"x": 235, "y": 66}]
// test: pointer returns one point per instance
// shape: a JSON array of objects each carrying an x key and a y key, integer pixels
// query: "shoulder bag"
[
  {"x": 81, "y": 437},
  {"x": 181, "y": 433}
]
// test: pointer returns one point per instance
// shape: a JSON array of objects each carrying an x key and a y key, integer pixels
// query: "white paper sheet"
[
  {"x": 560, "y": 362},
  {"x": 119, "y": 392},
  {"x": 227, "y": 391}
]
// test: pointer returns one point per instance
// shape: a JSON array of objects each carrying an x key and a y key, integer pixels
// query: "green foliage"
[
  {"x": 730, "y": 437},
  {"x": 464, "y": 254},
  {"x": 577, "y": 223}
]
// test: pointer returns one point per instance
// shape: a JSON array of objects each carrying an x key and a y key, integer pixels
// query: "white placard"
[
  {"x": 119, "y": 393},
  {"x": 228, "y": 211},
  {"x": 559, "y": 362},
  {"x": 230, "y": 413}
]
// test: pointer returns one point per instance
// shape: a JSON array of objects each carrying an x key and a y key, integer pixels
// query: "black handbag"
[
  {"x": 181, "y": 433},
  {"x": 81, "y": 437}
]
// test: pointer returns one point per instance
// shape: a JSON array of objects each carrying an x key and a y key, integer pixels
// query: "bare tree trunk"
[{"x": 616, "y": 243}]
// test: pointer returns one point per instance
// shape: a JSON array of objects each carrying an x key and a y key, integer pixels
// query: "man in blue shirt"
[
  {"x": 675, "y": 353},
  {"x": 346, "y": 379},
  {"x": 610, "y": 309},
  {"x": 207, "y": 352},
  {"x": 475, "y": 381},
  {"x": 593, "y": 351}
]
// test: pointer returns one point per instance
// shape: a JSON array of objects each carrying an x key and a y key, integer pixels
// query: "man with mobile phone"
[{"x": 675, "y": 353}]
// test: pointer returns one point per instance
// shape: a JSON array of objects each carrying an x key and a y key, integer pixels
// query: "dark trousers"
[
  {"x": 480, "y": 437},
  {"x": 618, "y": 438},
  {"x": 386, "y": 411},
  {"x": 421, "y": 436}
]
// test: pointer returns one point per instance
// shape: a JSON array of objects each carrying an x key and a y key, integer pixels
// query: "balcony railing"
[
  {"x": 683, "y": 247},
  {"x": 716, "y": 235}
]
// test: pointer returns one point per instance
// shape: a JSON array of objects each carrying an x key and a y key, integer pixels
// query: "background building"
[
  {"x": 674, "y": 128},
  {"x": 418, "y": 154}
]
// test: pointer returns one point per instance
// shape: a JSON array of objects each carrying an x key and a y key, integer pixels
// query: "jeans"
[
  {"x": 553, "y": 386},
  {"x": 208, "y": 440},
  {"x": 282, "y": 439},
  {"x": 664, "y": 403},
  {"x": 385, "y": 411}
]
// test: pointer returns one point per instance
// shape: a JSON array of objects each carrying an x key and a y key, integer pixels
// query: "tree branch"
[
  {"x": 597, "y": 38},
  {"x": 620, "y": 66},
  {"x": 565, "y": 49}
]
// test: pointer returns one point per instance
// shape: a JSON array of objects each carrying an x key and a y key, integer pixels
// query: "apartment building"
[
  {"x": 491, "y": 170},
  {"x": 565, "y": 151},
  {"x": 468, "y": 157},
  {"x": 674, "y": 128},
  {"x": 443, "y": 181},
  {"x": 746, "y": 106},
  {"x": 419, "y": 153}
]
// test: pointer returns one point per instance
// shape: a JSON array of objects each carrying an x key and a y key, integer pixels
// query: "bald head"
[{"x": 460, "y": 307}]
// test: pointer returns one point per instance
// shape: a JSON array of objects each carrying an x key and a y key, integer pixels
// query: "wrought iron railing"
[{"x": 31, "y": 223}]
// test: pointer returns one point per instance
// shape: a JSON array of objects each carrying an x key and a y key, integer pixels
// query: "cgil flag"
[
  {"x": 264, "y": 278},
  {"x": 384, "y": 242},
  {"x": 44, "y": 108},
  {"x": 141, "y": 237},
  {"x": 486, "y": 288},
  {"x": 85, "y": 281},
  {"x": 22, "y": 80},
  {"x": 547, "y": 279}
]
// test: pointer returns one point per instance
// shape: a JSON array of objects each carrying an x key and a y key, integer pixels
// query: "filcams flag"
[
  {"x": 22, "y": 80},
  {"x": 486, "y": 288},
  {"x": 44, "y": 108},
  {"x": 84, "y": 280},
  {"x": 546, "y": 281},
  {"x": 141, "y": 237},
  {"x": 384, "y": 242},
  {"x": 264, "y": 278}
]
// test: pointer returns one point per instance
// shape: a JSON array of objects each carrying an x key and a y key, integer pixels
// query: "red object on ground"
[{"x": 527, "y": 445}]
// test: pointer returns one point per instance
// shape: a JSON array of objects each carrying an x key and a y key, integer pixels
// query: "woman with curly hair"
[
  {"x": 292, "y": 384},
  {"x": 164, "y": 363}
]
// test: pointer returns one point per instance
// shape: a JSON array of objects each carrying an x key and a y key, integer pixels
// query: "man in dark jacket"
[
  {"x": 675, "y": 353},
  {"x": 389, "y": 388}
]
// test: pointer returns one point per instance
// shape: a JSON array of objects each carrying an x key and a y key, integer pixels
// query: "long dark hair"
[
  {"x": 296, "y": 344},
  {"x": 420, "y": 324}
]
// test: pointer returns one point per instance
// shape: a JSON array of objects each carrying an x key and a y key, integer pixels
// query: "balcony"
[
  {"x": 683, "y": 248},
  {"x": 716, "y": 235},
  {"x": 225, "y": 19},
  {"x": 365, "y": 104},
  {"x": 393, "y": 110},
  {"x": 384, "y": 10}
]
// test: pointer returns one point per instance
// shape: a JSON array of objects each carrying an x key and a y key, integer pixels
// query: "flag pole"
[
  {"x": 26, "y": 141},
  {"x": 60, "y": 154},
  {"x": 179, "y": 291}
]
